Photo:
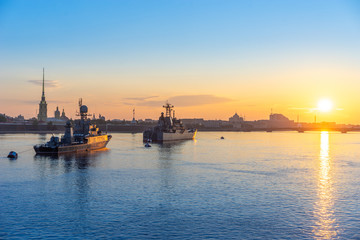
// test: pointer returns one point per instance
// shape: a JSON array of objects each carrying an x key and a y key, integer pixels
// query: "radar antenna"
[{"x": 83, "y": 110}]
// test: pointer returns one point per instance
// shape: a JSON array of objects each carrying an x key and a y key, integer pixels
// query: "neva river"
[{"x": 257, "y": 185}]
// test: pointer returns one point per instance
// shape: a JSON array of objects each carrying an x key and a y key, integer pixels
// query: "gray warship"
[
  {"x": 168, "y": 128},
  {"x": 84, "y": 137}
]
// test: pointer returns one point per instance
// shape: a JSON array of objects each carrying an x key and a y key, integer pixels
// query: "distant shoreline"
[
  {"x": 31, "y": 132},
  {"x": 200, "y": 130},
  {"x": 10, "y": 128}
]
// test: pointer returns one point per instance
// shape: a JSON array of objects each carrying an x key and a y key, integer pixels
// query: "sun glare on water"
[{"x": 325, "y": 105}]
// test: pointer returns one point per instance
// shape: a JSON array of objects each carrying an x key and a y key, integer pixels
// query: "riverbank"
[{"x": 7, "y": 128}]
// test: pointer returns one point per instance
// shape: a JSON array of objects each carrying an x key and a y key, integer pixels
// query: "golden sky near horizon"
[{"x": 289, "y": 93}]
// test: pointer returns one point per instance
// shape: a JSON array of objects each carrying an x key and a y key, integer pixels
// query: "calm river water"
[{"x": 257, "y": 185}]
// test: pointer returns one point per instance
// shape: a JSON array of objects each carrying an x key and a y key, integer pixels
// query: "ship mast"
[
  {"x": 168, "y": 108},
  {"x": 83, "y": 110}
]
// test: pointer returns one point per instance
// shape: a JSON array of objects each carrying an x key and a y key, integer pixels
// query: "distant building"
[
  {"x": 42, "y": 116},
  {"x": 236, "y": 118},
  {"x": 213, "y": 123},
  {"x": 236, "y": 121},
  {"x": 58, "y": 119},
  {"x": 3, "y": 117},
  {"x": 278, "y": 117},
  {"x": 19, "y": 118},
  {"x": 262, "y": 124},
  {"x": 117, "y": 121},
  {"x": 148, "y": 120},
  {"x": 277, "y": 120},
  {"x": 57, "y": 113},
  {"x": 63, "y": 116},
  {"x": 101, "y": 117},
  {"x": 192, "y": 121}
]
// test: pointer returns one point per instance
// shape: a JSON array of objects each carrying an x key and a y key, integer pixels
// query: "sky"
[{"x": 209, "y": 58}]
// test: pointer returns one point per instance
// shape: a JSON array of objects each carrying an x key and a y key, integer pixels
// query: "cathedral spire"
[
  {"x": 43, "y": 87},
  {"x": 42, "y": 115}
]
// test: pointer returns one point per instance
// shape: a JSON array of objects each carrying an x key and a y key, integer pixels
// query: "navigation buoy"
[
  {"x": 12, "y": 155},
  {"x": 222, "y": 138}
]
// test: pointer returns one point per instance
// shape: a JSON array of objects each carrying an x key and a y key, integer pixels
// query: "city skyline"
[{"x": 208, "y": 58}]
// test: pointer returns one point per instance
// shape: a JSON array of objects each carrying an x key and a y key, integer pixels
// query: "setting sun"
[{"x": 325, "y": 105}]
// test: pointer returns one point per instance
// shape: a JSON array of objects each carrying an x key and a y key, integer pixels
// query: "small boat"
[
  {"x": 12, "y": 155},
  {"x": 222, "y": 137},
  {"x": 147, "y": 145}
]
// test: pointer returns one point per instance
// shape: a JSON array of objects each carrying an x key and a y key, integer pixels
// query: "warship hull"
[
  {"x": 74, "y": 148},
  {"x": 158, "y": 136},
  {"x": 168, "y": 128}
]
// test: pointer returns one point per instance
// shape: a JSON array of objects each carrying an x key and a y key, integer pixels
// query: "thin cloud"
[
  {"x": 140, "y": 98},
  {"x": 127, "y": 104},
  {"x": 48, "y": 83},
  {"x": 151, "y": 103},
  {"x": 182, "y": 101},
  {"x": 197, "y": 100}
]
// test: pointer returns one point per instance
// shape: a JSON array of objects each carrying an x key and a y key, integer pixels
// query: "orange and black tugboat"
[{"x": 84, "y": 137}]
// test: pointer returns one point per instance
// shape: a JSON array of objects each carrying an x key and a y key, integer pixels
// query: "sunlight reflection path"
[{"x": 325, "y": 222}]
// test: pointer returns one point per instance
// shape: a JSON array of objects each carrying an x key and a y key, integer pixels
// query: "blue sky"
[{"x": 174, "y": 48}]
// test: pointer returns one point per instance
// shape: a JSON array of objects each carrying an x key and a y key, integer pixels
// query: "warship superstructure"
[
  {"x": 169, "y": 128},
  {"x": 84, "y": 137}
]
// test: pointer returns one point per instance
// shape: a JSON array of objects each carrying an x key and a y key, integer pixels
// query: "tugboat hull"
[{"x": 73, "y": 148}]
